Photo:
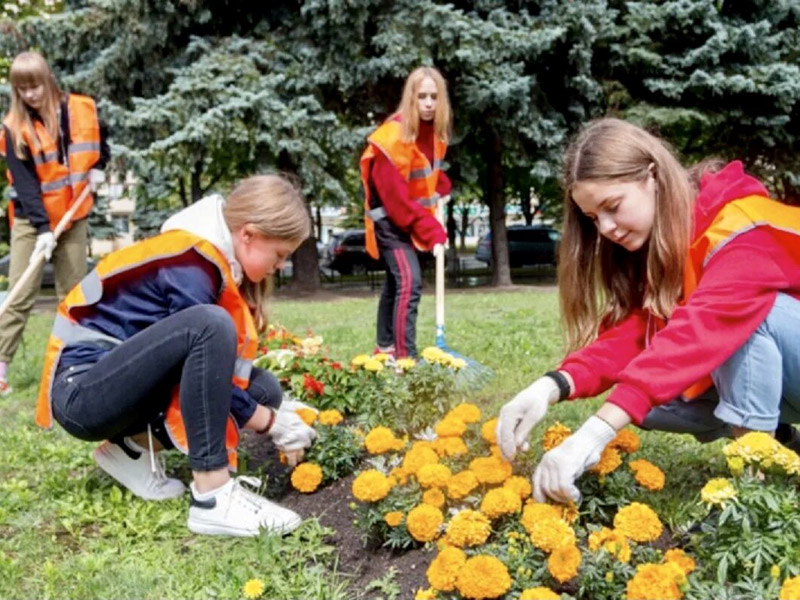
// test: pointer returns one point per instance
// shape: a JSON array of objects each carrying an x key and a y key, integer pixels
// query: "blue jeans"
[
  {"x": 130, "y": 387},
  {"x": 756, "y": 388}
]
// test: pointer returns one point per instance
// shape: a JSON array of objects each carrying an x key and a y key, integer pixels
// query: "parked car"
[
  {"x": 48, "y": 279},
  {"x": 527, "y": 245},
  {"x": 347, "y": 253}
]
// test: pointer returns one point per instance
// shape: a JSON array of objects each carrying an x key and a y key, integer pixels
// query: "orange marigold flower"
[
  {"x": 790, "y": 590},
  {"x": 539, "y": 593},
  {"x": 612, "y": 542},
  {"x": 445, "y": 567},
  {"x": 534, "y": 512},
  {"x": 398, "y": 476},
  {"x": 626, "y": 441},
  {"x": 653, "y": 582},
  {"x": 489, "y": 431},
  {"x": 647, "y": 474},
  {"x": 469, "y": 413},
  {"x": 382, "y": 439},
  {"x": 483, "y": 577},
  {"x": 569, "y": 512},
  {"x": 490, "y": 469},
  {"x": 394, "y": 518},
  {"x": 419, "y": 456},
  {"x": 521, "y": 485},
  {"x": 424, "y": 522},
  {"x": 371, "y": 486},
  {"x": 499, "y": 502},
  {"x": 468, "y": 528},
  {"x": 330, "y": 417},
  {"x": 461, "y": 484},
  {"x": 434, "y": 497},
  {"x": 549, "y": 534},
  {"x": 306, "y": 477},
  {"x": 609, "y": 461},
  {"x": 309, "y": 416},
  {"x": 638, "y": 522},
  {"x": 554, "y": 435},
  {"x": 680, "y": 558},
  {"x": 433, "y": 475},
  {"x": 450, "y": 427},
  {"x": 449, "y": 446},
  {"x": 430, "y": 593},
  {"x": 563, "y": 562}
]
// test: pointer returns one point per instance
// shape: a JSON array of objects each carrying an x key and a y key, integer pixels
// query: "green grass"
[{"x": 68, "y": 532}]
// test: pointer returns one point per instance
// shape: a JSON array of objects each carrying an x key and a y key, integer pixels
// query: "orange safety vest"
[
  {"x": 734, "y": 219},
  {"x": 120, "y": 265},
  {"x": 411, "y": 163},
  {"x": 60, "y": 183}
]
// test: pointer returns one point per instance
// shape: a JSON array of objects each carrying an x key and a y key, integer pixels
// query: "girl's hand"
[{"x": 519, "y": 416}]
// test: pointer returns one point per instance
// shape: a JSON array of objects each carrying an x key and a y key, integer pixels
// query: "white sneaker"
[
  {"x": 235, "y": 510},
  {"x": 144, "y": 476}
]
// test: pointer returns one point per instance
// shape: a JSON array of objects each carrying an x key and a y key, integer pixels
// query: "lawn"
[{"x": 68, "y": 532}]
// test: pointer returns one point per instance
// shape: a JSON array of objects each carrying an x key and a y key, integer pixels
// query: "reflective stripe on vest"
[
  {"x": 734, "y": 219},
  {"x": 412, "y": 165},
  {"x": 61, "y": 183}
]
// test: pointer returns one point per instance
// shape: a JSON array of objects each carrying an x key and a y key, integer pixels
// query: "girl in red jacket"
[
  {"x": 664, "y": 283},
  {"x": 402, "y": 178}
]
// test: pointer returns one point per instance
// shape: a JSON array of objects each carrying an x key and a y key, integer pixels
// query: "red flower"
[
  {"x": 312, "y": 386},
  {"x": 336, "y": 366}
]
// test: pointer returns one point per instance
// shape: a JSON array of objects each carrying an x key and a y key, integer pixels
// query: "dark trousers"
[
  {"x": 130, "y": 386},
  {"x": 397, "y": 310}
]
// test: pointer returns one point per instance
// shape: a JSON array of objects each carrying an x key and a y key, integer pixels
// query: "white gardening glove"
[
  {"x": 519, "y": 416},
  {"x": 96, "y": 178},
  {"x": 45, "y": 242},
  {"x": 293, "y": 405},
  {"x": 560, "y": 467},
  {"x": 291, "y": 435}
]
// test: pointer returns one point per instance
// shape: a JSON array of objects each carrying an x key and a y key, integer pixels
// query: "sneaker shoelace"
[
  {"x": 158, "y": 466},
  {"x": 247, "y": 498}
]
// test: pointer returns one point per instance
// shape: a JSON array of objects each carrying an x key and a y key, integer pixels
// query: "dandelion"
[
  {"x": 306, "y": 477},
  {"x": 253, "y": 588},
  {"x": 483, "y": 577},
  {"x": 638, "y": 522}
]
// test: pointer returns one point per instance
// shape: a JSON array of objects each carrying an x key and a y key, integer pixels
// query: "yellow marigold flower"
[
  {"x": 359, "y": 360},
  {"x": 330, "y": 417},
  {"x": 457, "y": 363},
  {"x": 434, "y": 497},
  {"x": 790, "y": 590},
  {"x": 549, "y": 534},
  {"x": 539, "y": 593},
  {"x": 736, "y": 465},
  {"x": 612, "y": 542},
  {"x": 406, "y": 364},
  {"x": 717, "y": 491},
  {"x": 533, "y": 512},
  {"x": 449, "y": 446},
  {"x": 520, "y": 485},
  {"x": 469, "y": 413},
  {"x": 253, "y": 588},
  {"x": 373, "y": 365},
  {"x": 483, "y": 577},
  {"x": 647, "y": 474},
  {"x": 382, "y": 439},
  {"x": 309, "y": 416},
  {"x": 563, "y": 562},
  {"x": 424, "y": 522},
  {"x": 500, "y": 501},
  {"x": 638, "y": 522},
  {"x": 433, "y": 354},
  {"x": 398, "y": 475},
  {"x": 461, "y": 485},
  {"x": 490, "y": 469},
  {"x": 626, "y": 441},
  {"x": 468, "y": 528},
  {"x": 381, "y": 356},
  {"x": 653, "y": 582},
  {"x": 450, "y": 427},
  {"x": 371, "y": 486},
  {"x": 775, "y": 571},
  {"x": 786, "y": 459},
  {"x": 433, "y": 475},
  {"x": 554, "y": 435},
  {"x": 419, "y": 456},
  {"x": 753, "y": 447},
  {"x": 394, "y": 518},
  {"x": 444, "y": 569},
  {"x": 306, "y": 477},
  {"x": 489, "y": 431},
  {"x": 429, "y": 594},
  {"x": 609, "y": 461},
  {"x": 680, "y": 558},
  {"x": 569, "y": 512}
]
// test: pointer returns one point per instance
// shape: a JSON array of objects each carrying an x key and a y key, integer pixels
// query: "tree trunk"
[
  {"x": 462, "y": 232},
  {"x": 318, "y": 216},
  {"x": 501, "y": 271},
  {"x": 525, "y": 205},
  {"x": 197, "y": 188}
]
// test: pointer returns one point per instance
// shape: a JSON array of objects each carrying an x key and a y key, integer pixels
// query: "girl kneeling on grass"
[
  {"x": 664, "y": 283},
  {"x": 159, "y": 340}
]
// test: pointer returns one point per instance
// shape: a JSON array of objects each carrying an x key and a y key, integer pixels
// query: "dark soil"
[{"x": 362, "y": 564}]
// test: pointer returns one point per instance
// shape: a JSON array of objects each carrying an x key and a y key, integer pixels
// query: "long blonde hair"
[
  {"x": 275, "y": 206},
  {"x": 599, "y": 281},
  {"x": 409, "y": 108},
  {"x": 30, "y": 69}
]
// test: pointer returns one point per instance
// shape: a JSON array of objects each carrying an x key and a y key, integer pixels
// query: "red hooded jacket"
[{"x": 735, "y": 294}]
